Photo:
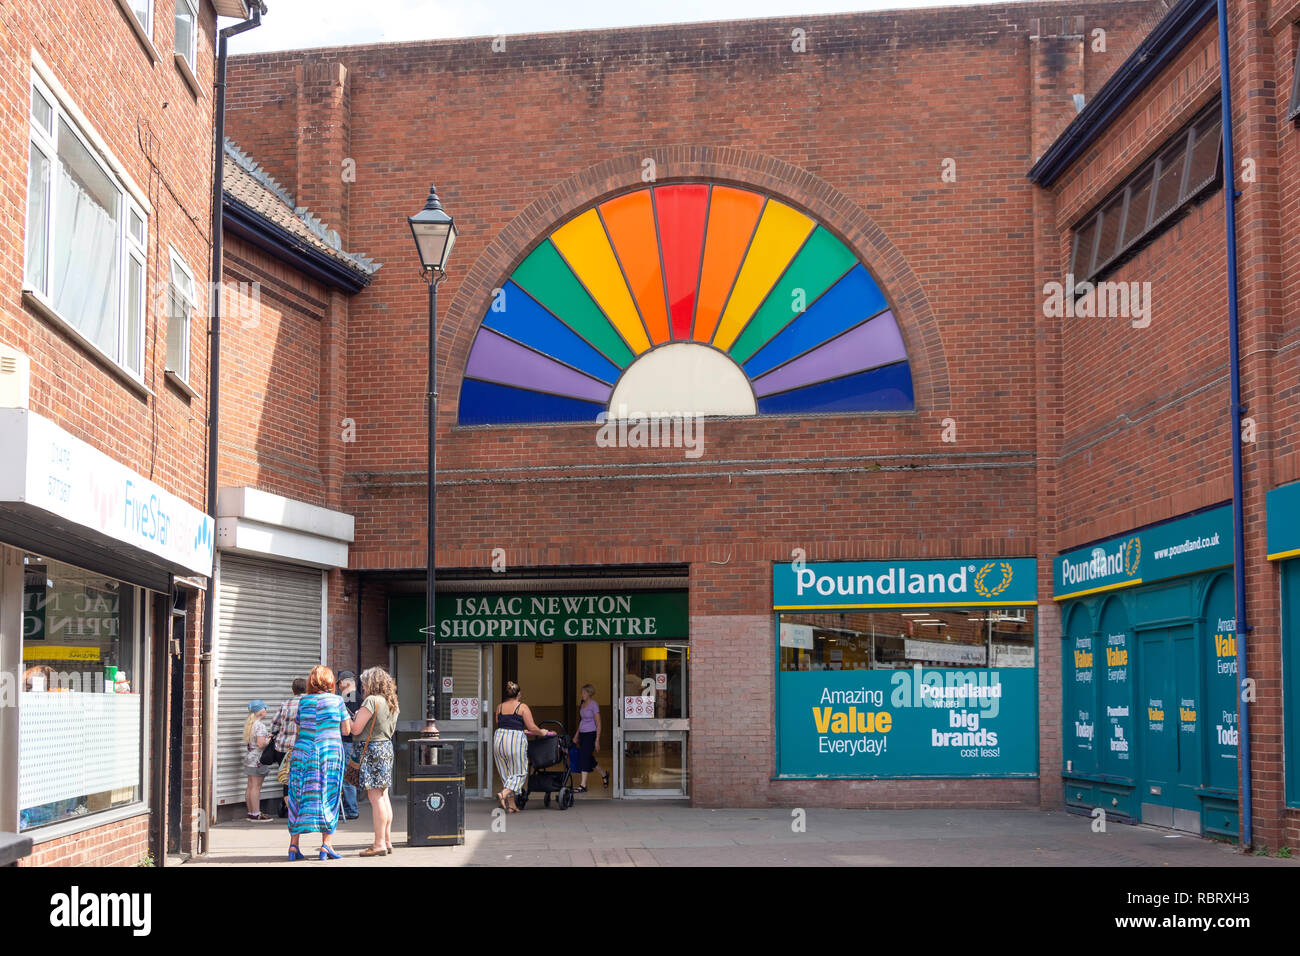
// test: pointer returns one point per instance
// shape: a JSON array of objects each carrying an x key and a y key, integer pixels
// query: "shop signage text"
[
  {"x": 1283, "y": 507},
  {"x": 922, "y": 722},
  {"x": 569, "y": 616},
  {"x": 1196, "y": 543},
  {"x": 1001, "y": 582},
  {"x": 49, "y": 469}
]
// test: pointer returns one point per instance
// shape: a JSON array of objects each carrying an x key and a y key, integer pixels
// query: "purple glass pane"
[
  {"x": 495, "y": 358},
  {"x": 873, "y": 343}
]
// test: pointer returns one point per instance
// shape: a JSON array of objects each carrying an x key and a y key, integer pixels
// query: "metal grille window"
[{"x": 1183, "y": 171}]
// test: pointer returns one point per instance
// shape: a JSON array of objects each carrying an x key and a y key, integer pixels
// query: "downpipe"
[
  {"x": 206, "y": 677},
  {"x": 1234, "y": 358}
]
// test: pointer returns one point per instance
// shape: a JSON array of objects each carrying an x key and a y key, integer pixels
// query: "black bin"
[{"x": 436, "y": 793}]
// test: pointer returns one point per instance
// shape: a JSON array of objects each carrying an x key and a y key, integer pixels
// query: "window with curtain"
[{"x": 85, "y": 243}]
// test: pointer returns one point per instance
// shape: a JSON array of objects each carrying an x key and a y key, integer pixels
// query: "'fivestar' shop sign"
[
  {"x": 1001, "y": 582},
  {"x": 1199, "y": 542},
  {"x": 563, "y": 616}
]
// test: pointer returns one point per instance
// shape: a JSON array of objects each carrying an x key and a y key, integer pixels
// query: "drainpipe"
[
  {"x": 214, "y": 398},
  {"x": 1234, "y": 359}
]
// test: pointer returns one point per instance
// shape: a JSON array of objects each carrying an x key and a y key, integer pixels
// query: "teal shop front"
[
  {"x": 1283, "y": 506},
  {"x": 906, "y": 669},
  {"x": 1149, "y": 674}
]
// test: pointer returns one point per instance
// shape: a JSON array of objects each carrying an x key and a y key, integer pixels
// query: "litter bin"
[{"x": 436, "y": 793}]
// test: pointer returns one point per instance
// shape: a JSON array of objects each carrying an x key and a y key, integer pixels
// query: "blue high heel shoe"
[
  {"x": 327, "y": 854},
  {"x": 295, "y": 854}
]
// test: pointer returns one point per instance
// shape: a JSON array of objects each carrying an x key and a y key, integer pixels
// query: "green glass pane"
[
  {"x": 821, "y": 263},
  {"x": 546, "y": 277}
]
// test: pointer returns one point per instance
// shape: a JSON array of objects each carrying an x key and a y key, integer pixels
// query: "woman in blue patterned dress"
[{"x": 316, "y": 770}]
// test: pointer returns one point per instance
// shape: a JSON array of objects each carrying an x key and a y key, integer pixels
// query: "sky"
[{"x": 300, "y": 24}]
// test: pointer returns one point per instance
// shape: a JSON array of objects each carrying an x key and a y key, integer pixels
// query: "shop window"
[
  {"x": 1149, "y": 202},
  {"x": 85, "y": 243},
  {"x": 893, "y": 640},
  {"x": 81, "y": 718},
  {"x": 187, "y": 31},
  {"x": 180, "y": 305}
]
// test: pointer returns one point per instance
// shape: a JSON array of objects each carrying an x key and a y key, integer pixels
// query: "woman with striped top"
[{"x": 510, "y": 745}]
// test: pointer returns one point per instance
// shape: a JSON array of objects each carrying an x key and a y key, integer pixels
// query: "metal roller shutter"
[{"x": 268, "y": 633}]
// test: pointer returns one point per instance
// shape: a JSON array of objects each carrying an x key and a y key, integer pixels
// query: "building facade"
[
  {"x": 752, "y": 221},
  {"x": 105, "y": 540}
]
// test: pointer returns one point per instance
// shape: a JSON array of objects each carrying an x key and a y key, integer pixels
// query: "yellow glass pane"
[
  {"x": 584, "y": 245},
  {"x": 780, "y": 233}
]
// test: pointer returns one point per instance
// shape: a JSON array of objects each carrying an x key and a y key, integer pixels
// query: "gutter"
[
  {"x": 207, "y": 762},
  {"x": 1152, "y": 55},
  {"x": 245, "y": 222}
]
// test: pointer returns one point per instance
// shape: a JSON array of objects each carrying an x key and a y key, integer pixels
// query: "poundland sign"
[
  {"x": 1002, "y": 582},
  {"x": 1198, "y": 542}
]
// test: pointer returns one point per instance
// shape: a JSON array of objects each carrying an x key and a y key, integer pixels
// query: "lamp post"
[{"x": 434, "y": 233}]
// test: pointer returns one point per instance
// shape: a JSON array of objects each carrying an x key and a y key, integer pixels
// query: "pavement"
[{"x": 672, "y": 833}]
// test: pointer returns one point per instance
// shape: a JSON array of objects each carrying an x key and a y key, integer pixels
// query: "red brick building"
[
  {"x": 105, "y": 541},
  {"x": 814, "y": 121}
]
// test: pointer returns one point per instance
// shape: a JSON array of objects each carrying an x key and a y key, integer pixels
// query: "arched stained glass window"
[{"x": 686, "y": 298}]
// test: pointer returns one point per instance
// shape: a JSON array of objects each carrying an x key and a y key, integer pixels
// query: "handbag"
[
  {"x": 282, "y": 774},
  {"x": 352, "y": 772},
  {"x": 270, "y": 755}
]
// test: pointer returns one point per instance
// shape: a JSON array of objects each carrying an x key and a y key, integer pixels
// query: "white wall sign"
[
  {"x": 44, "y": 467},
  {"x": 638, "y": 706},
  {"x": 945, "y": 653},
  {"x": 1012, "y": 655},
  {"x": 797, "y": 635},
  {"x": 464, "y": 708}
]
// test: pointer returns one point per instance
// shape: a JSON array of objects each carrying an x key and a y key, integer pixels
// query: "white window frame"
[
  {"x": 133, "y": 248},
  {"x": 147, "y": 22},
  {"x": 191, "y": 55},
  {"x": 175, "y": 293}
]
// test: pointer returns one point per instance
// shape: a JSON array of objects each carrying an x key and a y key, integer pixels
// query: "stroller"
[{"x": 549, "y": 772}]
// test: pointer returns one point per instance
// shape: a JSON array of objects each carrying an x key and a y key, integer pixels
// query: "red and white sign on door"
[
  {"x": 638, "y": 706},
  {"x": 464, "y": 708}
]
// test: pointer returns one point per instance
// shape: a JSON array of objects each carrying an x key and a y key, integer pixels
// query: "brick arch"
[{"x": 798, "y": 187}]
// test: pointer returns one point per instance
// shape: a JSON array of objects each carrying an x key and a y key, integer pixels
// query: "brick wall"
[
  {"x": 159, "y": 130},
  {"x": 823, "y": 129}
]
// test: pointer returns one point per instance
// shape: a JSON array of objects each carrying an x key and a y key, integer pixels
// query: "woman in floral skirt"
[{"x": 372, "y": 730}]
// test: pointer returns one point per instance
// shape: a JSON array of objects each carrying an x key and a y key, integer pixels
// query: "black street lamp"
[{"x": 435, "y": 234}]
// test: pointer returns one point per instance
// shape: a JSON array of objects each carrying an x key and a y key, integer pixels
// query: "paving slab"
[{"x": 671, "y": 833}]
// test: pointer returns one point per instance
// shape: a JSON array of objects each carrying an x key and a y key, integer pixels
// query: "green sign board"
[
  {"x": 1283, "y": 507},
  {"x": 839, "y": 585},
  {"x": 931, "y": 722},
  {"x": 1198, "y": 542},
  {"x": 552, "y": 616}
]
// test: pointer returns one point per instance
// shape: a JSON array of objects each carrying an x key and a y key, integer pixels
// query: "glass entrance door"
[
  {"x": 652, "y": 720},
  {"x": 465, "y": 672}
]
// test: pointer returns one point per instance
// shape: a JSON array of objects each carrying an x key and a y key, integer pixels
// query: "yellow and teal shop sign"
[
  {"x": 906, "y": 722},
  {"x": 1283, "y": 506},
  {"x": 1198, "y": 542}
]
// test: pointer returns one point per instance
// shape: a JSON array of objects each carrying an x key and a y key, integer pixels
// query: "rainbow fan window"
[{"x": 687, "y": 298}]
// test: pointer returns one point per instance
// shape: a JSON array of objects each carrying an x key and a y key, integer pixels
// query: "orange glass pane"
[
  {"x": 733, "y": 214},
  {"x": 630, "y": 222}
]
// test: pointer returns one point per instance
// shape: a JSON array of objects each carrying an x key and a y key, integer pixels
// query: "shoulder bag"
[{"x": 352, "y": 772}]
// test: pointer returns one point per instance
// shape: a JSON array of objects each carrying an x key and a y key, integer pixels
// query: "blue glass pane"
[
  {"x": 483, "y": 403},
  {"x": 886, "y": 389},
  {"x": 523, "y": 320},
  {"x": 845, "y": 304}
]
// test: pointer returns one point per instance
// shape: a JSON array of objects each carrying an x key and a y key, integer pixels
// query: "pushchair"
[{"x": 549, "y": 771}]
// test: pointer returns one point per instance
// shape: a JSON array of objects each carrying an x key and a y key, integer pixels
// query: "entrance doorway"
[
  {"x": 641, "y": 688},
  {"x": 1171, "y": 740}
]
